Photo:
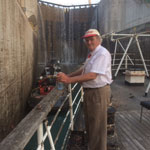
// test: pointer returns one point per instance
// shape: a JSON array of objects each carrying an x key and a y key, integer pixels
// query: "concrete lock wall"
[
  {"x": 19, "y": 45},
  {"x": 64, "y": 29},
  {"x": 119, "y": 15},
  {"x": 126, "y": 16}
]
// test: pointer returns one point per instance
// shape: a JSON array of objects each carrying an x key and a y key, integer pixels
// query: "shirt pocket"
[{"x": 88, "y": 67}]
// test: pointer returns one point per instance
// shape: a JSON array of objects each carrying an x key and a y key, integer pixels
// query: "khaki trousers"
[{"x": 95, "y": 112}]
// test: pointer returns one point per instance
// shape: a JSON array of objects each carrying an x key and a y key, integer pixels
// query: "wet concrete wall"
[
  {"x": 126, "y": 16},
  {"x": 19, "y": 40},
  {"x": 119, "y": 15},
  {"x": 64, "y": 29}
]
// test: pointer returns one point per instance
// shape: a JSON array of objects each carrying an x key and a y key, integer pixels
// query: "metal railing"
[
  {"x": 67, "y": 6},
  {"x": 37, "y": 121},
  {"x": 117, "y": 37},
  {"x": 129, "y": 62}
]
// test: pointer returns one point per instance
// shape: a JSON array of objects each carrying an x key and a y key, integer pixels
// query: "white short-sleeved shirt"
[{"x": 100, "y": 63}]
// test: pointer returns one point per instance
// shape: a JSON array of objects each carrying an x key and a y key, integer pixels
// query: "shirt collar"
[{"x": 96, "y": 49}]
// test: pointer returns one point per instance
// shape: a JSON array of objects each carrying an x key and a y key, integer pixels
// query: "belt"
[
  {"x": 95, "y": 88},
  {"x": 85, "y": 89}
]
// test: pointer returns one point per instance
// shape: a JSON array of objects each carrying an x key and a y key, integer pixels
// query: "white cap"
[{"x": 91, "y": 32}]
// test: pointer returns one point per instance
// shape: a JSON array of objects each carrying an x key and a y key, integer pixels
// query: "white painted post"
[
  {"x": 126, "y": 62},
  {"x": 82, "y": 93},
  {"x": 40, "y": 137},
  {"x": 70, "y": 106},
  {"x": 147, "y": 89},
  {"x": 140, "y": 51},
  {"x": 115, "y": 52},
  {"x": 48, "y": 128}
]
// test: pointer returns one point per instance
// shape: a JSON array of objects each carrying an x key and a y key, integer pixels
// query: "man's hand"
[{"x": 62, "y": 77}]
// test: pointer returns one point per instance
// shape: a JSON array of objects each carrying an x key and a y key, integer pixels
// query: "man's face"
[{"x": 92, "y": 42}]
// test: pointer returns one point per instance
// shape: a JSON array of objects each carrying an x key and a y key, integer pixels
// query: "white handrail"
[
  {"x": 39, "y": 113},
  {"x": 70, "y": 105},
  {"x": 72, "y": 115}
]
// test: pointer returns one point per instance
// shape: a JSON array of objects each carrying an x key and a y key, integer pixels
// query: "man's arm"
[{"x": 80, "y": 78}]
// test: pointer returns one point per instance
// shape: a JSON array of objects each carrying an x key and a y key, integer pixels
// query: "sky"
[{"x": 72, "y": 2}]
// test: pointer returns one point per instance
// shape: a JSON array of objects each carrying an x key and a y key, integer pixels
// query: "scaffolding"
[{"x": 116, "y": 37}]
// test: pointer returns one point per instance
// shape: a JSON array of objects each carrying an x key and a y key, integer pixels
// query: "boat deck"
[{"x": 133, "y": 134}]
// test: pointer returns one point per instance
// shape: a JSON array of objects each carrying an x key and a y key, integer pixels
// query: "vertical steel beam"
[
  {"x": 70, "y": 106},
  {"x": 82, "y": 94},
  {"x": 40, "y": 137},
  {"x": 115, "y": 52},
  {"x": 147, "y": 89}
]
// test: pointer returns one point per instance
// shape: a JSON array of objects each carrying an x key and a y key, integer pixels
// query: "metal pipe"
[
  {"x": 65, "y": 138},
  {"x": 140, "y": 51},
  {"x": 74, "y": 86},
  {"x": 147, "y": 89},
  {"x": 82, "y": 94},
  {"x": 70, "y": 106},
  {"x": 40, "y": 137},
  {"x": 115, "y": 52},
  {"x": 123, "y": 56},
  {"x": 127, "y": 54},
  {"x": 77, "y": 107},
  {"x": 61, "y": 127},
  {"x": 58, "y": 111},
  {"x": 67, "y": 6},
  {"x": 112, "y": 38},
  {"x": 76, "y": 96},
  {"x": 126, "y": 62},
  {"x": 49, "y": 135},
  {"x": 130, "y": 35},
  {"x": 45, "y": 135},
  {"x": 81, "y": 99}
]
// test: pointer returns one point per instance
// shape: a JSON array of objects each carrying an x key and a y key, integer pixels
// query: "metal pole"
[
  {"x": 139, "y": 48},
  {"x": 147, "y": 89},
  {"x": 126, "y": 62},
  {"x": 49, "y": 135},
  {"x": 82, "y": 93},
  {"x": 127, "y": 54},
  {"x": 129, "y": 35},
  {"x": 115, "y": 52},
  {"x": 40, "y": 137},
  {"x": 123, "y": 56},
  {"x": 70, "y": 106}
]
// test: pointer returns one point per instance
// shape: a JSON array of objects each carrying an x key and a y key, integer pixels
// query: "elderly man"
[{"x": 95, "y": 77}]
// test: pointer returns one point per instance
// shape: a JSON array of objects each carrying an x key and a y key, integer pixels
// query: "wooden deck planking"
[
  {"x": 135, "y": 131},
  {"x": 132, "y": 134}
]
